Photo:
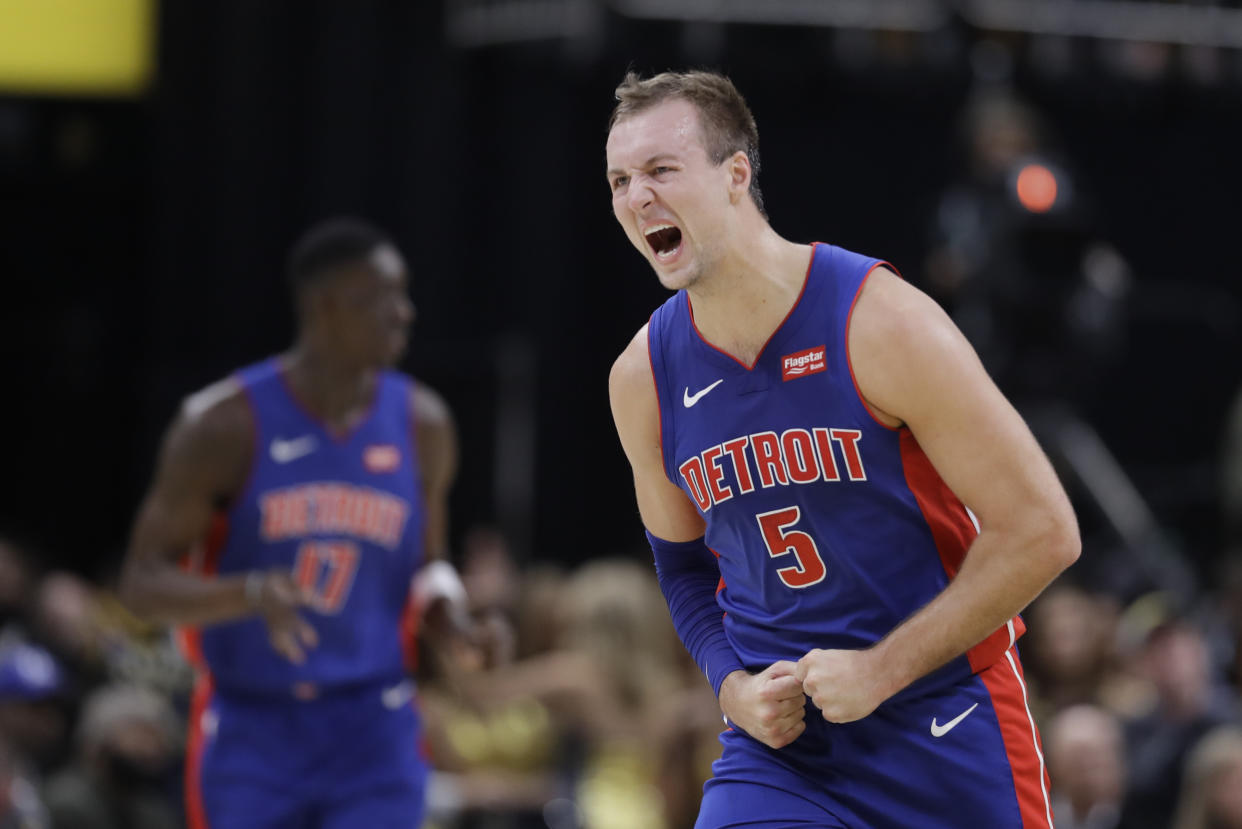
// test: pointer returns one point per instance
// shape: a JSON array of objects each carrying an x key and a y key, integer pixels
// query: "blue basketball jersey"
[
  {"x": 344, "y": 515},
  {"x": 830, "y": 527}
]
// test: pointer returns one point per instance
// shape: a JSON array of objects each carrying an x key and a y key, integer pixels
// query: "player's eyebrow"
[{"x": 657, "y": 157}]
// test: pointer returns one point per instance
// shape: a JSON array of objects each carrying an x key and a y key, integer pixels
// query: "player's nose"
[
  {"x": 405, "y": 311},
  {"x": 640, "y": 195}
]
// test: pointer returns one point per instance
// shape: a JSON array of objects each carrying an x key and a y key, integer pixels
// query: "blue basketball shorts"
[
  {"x": 345, "y": 759},
  {"x": 967, "y": 755}
]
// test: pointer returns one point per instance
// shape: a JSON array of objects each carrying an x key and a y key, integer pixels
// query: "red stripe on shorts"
[
  {"x": 196, "y": 814},
  {"x": 1007, "y": 688}
]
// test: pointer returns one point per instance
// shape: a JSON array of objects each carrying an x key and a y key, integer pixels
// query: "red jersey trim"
[
  {"x": 205, "y": 561},
  {"x": 849, "y": 318},
  {"x": 196, "y": 744},
  {"x": 655, "y": 384},
  {"x": 953, "y": 532}
]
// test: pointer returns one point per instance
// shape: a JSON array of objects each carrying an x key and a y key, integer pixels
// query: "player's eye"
[
  {"x": 662, "y": 170},
  {"x": 619, "y": 182}
]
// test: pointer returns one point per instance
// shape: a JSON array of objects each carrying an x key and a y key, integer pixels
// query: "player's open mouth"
[{"x": 665, "y": 241}]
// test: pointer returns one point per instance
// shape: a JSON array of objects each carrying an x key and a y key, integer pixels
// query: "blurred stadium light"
[
  {"x": 475, "y": 23},
  {"x": 1197, "y": 25},
  {"x": 484, "y": 22},
  {"x": 901, "y": 15}
]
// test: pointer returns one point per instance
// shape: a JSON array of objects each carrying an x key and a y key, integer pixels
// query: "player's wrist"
[
  {"x": 883, "y": 670},
  {"x": 729, "y": 689},
  {"x": 253, "y": 588}
]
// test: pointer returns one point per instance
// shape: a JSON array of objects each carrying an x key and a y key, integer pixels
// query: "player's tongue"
[{"x": 665, "y": 240}]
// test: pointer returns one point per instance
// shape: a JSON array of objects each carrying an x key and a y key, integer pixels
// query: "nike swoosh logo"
[
  {"x": 689, "y": 399},
  {"x": 284, "y": 451},
  {"x": 941, "y": 730}
]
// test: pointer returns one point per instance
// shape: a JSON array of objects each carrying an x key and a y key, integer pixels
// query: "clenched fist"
[
  {"x": 768, "y": 706},
  {"x": 844, "y": 685}
]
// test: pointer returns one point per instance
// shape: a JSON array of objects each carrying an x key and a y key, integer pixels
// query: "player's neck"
[
  {"x": 336, "y": 393},
  {"x": 746, "y": 296}
]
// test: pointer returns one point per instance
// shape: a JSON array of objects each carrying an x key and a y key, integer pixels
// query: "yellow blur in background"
[{"x": 76, "y": 47}]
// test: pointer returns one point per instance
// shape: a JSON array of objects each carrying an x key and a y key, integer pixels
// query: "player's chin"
[
  {"x": 676, "y": 278},
  {"x": 392, "y": 349}
]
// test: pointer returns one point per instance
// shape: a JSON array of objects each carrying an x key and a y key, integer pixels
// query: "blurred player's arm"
[
  {"x": 203, "y": 465},
  {"x": 769, "y": 705},
  {"x": 914, "y": 367},
  {"x": 437, "y": 587}
]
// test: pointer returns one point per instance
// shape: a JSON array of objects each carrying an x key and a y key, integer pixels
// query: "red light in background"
[{"x": 1037, "y": 188}]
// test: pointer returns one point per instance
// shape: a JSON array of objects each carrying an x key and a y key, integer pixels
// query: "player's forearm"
[
  {"x": 1000, "y": 576},
  {"x": 167, "y": 594}
]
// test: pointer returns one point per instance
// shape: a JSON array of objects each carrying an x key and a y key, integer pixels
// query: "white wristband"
[
  {"x": 439, "y": 580},
  {"x": 254, "y": 587}
]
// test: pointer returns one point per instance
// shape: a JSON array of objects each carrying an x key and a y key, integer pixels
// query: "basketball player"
[
  {"x": 818, "y": 453},
  {"x": 320, "y": 479}
]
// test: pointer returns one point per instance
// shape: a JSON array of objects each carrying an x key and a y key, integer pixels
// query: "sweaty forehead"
[{"x": 671, "y": 127}]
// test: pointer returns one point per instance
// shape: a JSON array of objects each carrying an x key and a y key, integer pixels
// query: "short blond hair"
[{"x": 726, "y": 121}]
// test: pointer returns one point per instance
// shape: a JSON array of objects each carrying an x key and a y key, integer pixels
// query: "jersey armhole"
[
  {"x": 655, "y": 358},
  {"x": 849, "y": 362},
  {"x": 408, "y": 388},
  {"x": 256, "y": 447}
]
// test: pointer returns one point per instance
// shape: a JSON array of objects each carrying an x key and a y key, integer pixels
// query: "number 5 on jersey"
[{"x": 809, "y": 567}]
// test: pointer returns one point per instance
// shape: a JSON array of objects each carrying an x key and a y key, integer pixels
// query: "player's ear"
[
  {"x": 738, "y": 166},
  {"x": 315, "y": 300}
]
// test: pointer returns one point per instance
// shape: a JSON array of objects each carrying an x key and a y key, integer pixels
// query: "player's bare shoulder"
[
  {"x": 903, "y": 346},
  {"x": 429, "y": 407},
  {"x": 435, "y": 433},
  {"x": 631, "y": 371},
  {"x": 212, "y": 438},
  {"x": 632, "y": 392}
]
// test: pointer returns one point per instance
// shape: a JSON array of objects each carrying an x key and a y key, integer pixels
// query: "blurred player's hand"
[
  {"x": 844, "y": 685},
  {"x": 768, "y": 706},
  {"x": 278, "y": 601}
]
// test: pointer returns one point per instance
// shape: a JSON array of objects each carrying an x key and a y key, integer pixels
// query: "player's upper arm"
[
  {"x": 436, "y": 439},
  {"x": 912, "y": 364},
  {"x": 665, "y": 509},
  {"x": 203, "y": 464}
]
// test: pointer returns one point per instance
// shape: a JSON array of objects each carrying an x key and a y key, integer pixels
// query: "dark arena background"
[{"x": 1065, "y": 177}]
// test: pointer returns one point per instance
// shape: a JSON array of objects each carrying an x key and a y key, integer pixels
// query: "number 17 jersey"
[{"x": 830, "y": 527}]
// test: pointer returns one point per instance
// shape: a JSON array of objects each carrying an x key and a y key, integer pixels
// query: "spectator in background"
[
  {"x": 65, "y": 620},
  {"x": 1231, "y": 478},
  {"x": 16, "y": 586},
  {"x": 20, "y": 807},
  {"x": 120, "y": 779},
  {"x": 1086, "y": 761},
  {"x": 1013, "y": 259},
  {"x": 1211, "y": 796},
  {"x": 34, "y": 708},
  {"x": 1189, "y": 701},
  {"x": 1071, "y": 648},
  {"x": 599, "y": 722}
]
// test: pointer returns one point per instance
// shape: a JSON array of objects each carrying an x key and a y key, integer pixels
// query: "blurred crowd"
[
  {"x": 579, "y": 708},
  {"x": 576, "y": 706}
]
